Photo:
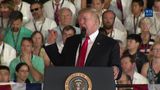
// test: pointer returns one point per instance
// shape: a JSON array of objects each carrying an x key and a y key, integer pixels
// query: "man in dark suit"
[{"x": 102, "y": 51}]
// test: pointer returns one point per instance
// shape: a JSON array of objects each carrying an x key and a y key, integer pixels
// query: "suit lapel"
[
  {"x": 75, "y": 47},
  {"x": 94, "y": 49}
]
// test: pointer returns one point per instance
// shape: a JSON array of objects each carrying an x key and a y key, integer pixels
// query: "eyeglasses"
[{"x": 33, "y": 10}]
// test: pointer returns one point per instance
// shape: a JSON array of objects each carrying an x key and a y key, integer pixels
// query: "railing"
[
  {"x": 124, "y": 85},
  {"x": 39, "y": 86},
  {"x": 138, "y": 86}
]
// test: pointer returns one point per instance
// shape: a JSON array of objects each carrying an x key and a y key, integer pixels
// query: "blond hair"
[
  {"x": 90, "y": 10},
  {"x": 8, "y": 3},
  {"x": 146, "y": 20}
]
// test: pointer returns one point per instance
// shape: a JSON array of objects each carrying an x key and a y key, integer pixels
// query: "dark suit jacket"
[{"x": 104, "y": 52}]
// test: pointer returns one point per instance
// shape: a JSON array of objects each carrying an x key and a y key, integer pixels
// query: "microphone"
[
  {"x": 129, "y": 78},
  {"x": 83, "y": 32}
]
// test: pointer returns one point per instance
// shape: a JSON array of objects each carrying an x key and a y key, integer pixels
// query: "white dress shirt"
[
  {"x": 129, "y": 23},
  {"x": 49, "y": 10},
  {"x": 77, "y": 4},
  {"x": 118, "y": 24},
  {"x": 126, "y": 5},
  {"x": 4, "y": 22},
  {"x": 8, "y": 55},
  {"x": 60, "y": 46},
  {"x": 118, "y": 35},
  {"x": 91, "y": 40},
  {"x": 139, "y": 79},
  {"x": 45, "y": 25},
  {"x": 155, "y": 29},
  {"x": 24, "y": 8}
]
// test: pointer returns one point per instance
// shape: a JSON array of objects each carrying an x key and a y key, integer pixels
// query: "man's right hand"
[{"x": 52, "y": 37}]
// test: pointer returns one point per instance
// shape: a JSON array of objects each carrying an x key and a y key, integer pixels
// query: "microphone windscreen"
[{"x": 83, "y": 32}]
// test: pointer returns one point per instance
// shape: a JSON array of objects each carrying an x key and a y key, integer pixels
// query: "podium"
[{"x": 76, "y": 78}]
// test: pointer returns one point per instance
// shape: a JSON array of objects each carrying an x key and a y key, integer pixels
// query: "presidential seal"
[{"x": 78, "y": 81}]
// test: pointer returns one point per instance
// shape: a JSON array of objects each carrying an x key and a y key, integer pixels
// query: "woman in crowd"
[
  {"x": 6, "y": 7},
  {"x": 151, "y": 70},
  {"x": 22, "y": 72},
  {"x": 38, "y": 50},
  {"x": 147, "y": 38}
]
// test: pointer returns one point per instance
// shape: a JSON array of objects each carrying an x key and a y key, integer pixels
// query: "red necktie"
[
  {"x": 82, "y": 54},
  {"x": 56, "y": 14},
  {"x": 119, "y": 6}
]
